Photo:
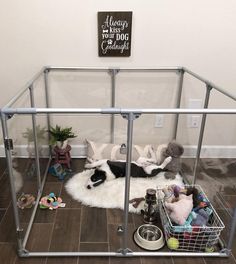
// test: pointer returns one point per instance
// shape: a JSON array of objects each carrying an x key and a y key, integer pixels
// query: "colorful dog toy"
[
  {"x": 51, "y": 202},
  {"x": 57, "y": 171}
]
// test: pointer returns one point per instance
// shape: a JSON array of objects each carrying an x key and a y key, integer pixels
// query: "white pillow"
[{"x": 98, "y": 151}]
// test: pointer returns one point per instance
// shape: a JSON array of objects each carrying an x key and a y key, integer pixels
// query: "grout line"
[
  {"x": 53, "y": 225},
  {"x": 108, "y": 240},
  {"x": 8, "y": 208},
  {"x": 88, "y": 242},
  {"x": 7, "y": 243},
  {"x": 4, "y": 213},
  {"x": 1, "y": 176},
  {"x": 80, "y": 228},
  {"x": 172, "y": 260},
  {"x": 233, "y": 257}
]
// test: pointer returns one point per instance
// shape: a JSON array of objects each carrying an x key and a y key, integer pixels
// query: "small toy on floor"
[
  {"x": 51, "y": 202},
  {"x": 25, "y": 201},
  {"x": 58, "y": 171}
]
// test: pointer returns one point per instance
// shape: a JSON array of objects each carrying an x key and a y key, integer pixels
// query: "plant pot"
[{"x": 62, "y": 144}]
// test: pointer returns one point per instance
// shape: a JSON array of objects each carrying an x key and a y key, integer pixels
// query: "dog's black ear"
[
  {"x": 98, "y": 175},
  {"x": 101, "y": 177},
  {"x": 95, "y": 176},
  {"x": 102, "y": 174}
]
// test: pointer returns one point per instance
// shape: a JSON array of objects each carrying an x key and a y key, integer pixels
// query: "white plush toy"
[{"x": 180, "y": 210}]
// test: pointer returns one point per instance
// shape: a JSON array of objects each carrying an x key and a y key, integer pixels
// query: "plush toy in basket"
[{"x": 189, "y": 220}]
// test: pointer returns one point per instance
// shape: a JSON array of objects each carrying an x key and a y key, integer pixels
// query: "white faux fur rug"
[{"x": 110, "y": 194}]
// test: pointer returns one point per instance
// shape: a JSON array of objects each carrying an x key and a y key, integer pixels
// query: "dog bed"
[{"x": 110, "y": 194}]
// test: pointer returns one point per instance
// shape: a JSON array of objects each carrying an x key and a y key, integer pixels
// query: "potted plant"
[{"x": 59, "y": 136}]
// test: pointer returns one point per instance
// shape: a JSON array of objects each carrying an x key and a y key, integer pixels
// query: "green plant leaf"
[{"x": 60, "y": 134}]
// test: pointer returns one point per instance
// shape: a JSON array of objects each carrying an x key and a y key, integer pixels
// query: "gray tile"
[
  {"x": 66, "y": 232},
  {"x": 93, "y": 224}
]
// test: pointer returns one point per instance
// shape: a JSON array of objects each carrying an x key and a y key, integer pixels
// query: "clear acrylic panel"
[
  {"x": 24, "y": 164},
  {"x": 80, "y": 89}
]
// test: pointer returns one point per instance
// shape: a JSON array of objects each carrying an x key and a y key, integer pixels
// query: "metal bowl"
[{"x": 149, "y": 237}]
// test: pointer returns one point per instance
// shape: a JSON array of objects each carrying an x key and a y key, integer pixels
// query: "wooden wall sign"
[{"x": 114, "y": 34}]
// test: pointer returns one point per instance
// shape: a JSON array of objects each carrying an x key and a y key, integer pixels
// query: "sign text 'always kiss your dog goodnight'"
[{"x": 114, "y": 34}]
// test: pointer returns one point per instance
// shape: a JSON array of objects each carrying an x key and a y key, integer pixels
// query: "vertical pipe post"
[
  {"x": 178, "y": 101},
  {"x": 113, "y": 73},
  {"x": 31, "y": 89},
  {"x": 130, "y": 118},
  {"x": 12, "y": 185},
  {"x": 232, "y": 232},
  {"x": 199, "y": 146},
  {"x": 46, "y": 72}
]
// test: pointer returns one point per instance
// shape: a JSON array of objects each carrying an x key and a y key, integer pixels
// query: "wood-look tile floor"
[{"x": 80, "y": 228}]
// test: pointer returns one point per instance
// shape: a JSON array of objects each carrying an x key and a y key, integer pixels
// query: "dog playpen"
[{"x": 38, "y": 108}]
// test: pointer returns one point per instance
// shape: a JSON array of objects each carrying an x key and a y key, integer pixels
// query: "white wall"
[{"x": 200, "y": 35}]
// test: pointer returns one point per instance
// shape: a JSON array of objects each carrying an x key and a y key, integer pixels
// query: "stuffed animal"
[
  {"x": 173, "y": 150},
  {"x": 180, "y": 210},
  {"x": 51, "y": 202},
  {"x": 171, "y": 193},
  {"x": 201, "y": 218},
  {"x": 25, "y": 201}
]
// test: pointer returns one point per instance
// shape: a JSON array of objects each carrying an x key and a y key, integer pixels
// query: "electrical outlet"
[
  {"x": 159, "y": 120},
  {"x": 195, "y": 121}
]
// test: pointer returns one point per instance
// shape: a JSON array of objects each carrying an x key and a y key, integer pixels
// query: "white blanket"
[{"x": 110, "y": 194}]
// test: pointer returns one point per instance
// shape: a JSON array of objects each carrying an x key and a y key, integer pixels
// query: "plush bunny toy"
[{"x": 180, "y": 210}]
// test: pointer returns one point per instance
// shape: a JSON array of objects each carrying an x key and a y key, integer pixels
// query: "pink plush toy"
[{"x": 180, "y": 210}]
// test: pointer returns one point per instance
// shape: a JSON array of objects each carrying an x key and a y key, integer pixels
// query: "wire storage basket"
[{"x": 192, "y": 238}]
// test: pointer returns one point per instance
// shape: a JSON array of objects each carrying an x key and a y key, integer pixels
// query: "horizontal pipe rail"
[
  {"x": 166, "y": 69},
  {"x": 25, "y": 88},
  {"x": 129, "y": 254},
  {"x": 89, "y": 69},
  {"x": 219, "y": 89},
  {"x": 12, "y": 111}
]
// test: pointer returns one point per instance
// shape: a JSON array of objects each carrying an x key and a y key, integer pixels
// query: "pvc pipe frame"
[{"x": 130, "y": 115}]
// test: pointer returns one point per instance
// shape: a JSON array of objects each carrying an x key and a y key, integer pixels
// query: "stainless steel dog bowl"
[{"x": 149, "y": 237}]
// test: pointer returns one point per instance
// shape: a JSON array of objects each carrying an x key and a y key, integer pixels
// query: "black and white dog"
[{"x": 106, "y": 170}]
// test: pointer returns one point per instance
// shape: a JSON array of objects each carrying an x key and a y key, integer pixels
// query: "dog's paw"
[
  {"x": 168, "y": 159},
  {"x": 141, "y": 160},
  {"x": 166, "y": 162},
  {"x": 87, "y": 166},
  {"x": 90, "y": 160}
]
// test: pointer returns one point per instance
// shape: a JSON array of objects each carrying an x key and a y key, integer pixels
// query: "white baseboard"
[
  {"x": 21, "y": 151},
  {"x": 79, "y": 151},
  {"x": 210, "y": 151}
]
